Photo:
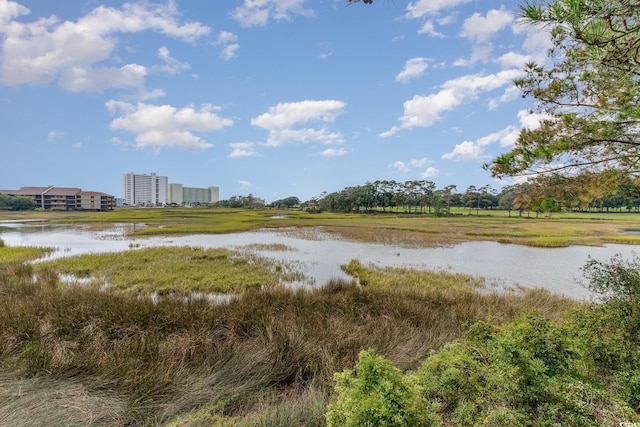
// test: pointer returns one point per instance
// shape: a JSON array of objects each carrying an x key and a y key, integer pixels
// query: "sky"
[{"x": 273, "y": 98}]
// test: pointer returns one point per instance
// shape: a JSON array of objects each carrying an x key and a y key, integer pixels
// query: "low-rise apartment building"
[{"x": 66, "y": 198}]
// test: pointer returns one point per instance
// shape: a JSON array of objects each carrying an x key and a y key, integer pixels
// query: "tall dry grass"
[{"x": 266, "y": 358}]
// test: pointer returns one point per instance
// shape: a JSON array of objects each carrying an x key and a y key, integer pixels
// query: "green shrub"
[
  {"x": 376, "y": 393},
  {"x": 526, "y": 373}
]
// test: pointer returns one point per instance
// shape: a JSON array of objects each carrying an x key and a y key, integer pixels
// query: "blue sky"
[{"x": 275, "y": 98}]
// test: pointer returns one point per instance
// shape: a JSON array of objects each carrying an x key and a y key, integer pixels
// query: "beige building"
[
  {"x": 66, "y": 198},
  {"x": 180, "y": 195}
]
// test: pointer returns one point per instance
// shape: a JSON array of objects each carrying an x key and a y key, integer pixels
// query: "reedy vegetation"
[
  {"x": 265, "y": 358},
  {"x": 413, "y": 230}
]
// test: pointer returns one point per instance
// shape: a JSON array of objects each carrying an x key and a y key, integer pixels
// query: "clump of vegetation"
[
  {"x": 12, "y": 254},
  {"x": 178, "y": 270},
  {"x": 16, "y": 203},
  {"x": 583, "y": 370}
]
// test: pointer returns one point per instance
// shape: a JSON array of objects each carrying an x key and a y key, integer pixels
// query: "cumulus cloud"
[
  {"x": 171, "y": 65},
  {"x": 160, "y": 126},
  {"x": 430, "y": 172},
  {"x": 507, "y": 137},
  {"x": 511, "y": 93},
  {"x": 425, "y": 110},
  {"x": 10, "y": 10},
  {"x": 422, "y": 8},
  {"x": 482, "y": 28},
  {"x": 430, "y": 29},
  {"x": 228, "y": 44},
  {"x": 243, "y": 149},
  {"x": 403, "y": 166},
  {"x": 286, "y": 122},
  {"x": 413, "y": 68},
  {"x": 419, "y": 162},
  {"x": 73, "y": 53},
  {"x": 259, "y": 12}
]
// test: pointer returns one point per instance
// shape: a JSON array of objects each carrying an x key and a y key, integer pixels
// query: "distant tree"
[
  {"x": 286, "y": 203},
  {"x": 506, "y": 198},
  {"x": 447, "y": 194},
  {"x": 471, "y": 197},
  {"x": 16, "y": 203}
]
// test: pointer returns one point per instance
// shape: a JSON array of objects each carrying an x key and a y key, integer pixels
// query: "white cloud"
[
  {"x": 325, "y": 50},
  {"x": 481, "y": 52},
  {"x": 430, "y": 172},
  {"x": 159, "y": 126},
  {"x": 482, "y": 28},
  {"x": 537, "y": 40},
  {"x": 245, "y": 184},
  {"x": 416, "y": 163},
  {"x": 258, "y": 12},
  {"x": 401, "y": 166},
  {"x": 87, "y": 78},
  {"x": 512, "y": 60},
  {"x": 530, "y": 120},
  {"x": 474, "y": 151},
  {"x": 421, "y": 8},
  {"x": 419, "y": 162},
  {"x": 10, "y": 10},
  {"x": 285, "y": 122},
  {"x": 243, "y": 149},
  {"x": 334, "y": 152},
  {"x": 53, "y": 135},
  {"x": 429, "y": 28},
  {"x": 507, "y": 137},
  {"x": 425, "y": 110},
  {"x": 172, "y": 65},
  {"x": 228, "y": 44},
  {"x": 467, "y": 151},
  {"x": 47, "y": 50},
  {"x": 511, "y": 93},
  {"x": 413, "y": 68}
]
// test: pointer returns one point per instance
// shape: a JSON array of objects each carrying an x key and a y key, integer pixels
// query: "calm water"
[{"x": 320, "y": 254}]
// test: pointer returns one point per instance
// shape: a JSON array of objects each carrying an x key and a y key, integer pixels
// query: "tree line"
[{"x": 543, "y": 195}]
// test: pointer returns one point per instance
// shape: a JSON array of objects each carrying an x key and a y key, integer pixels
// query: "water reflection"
[{"x": 321, "y": 254}]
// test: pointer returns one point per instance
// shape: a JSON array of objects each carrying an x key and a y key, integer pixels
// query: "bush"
[
  {"x": 527, "y": 373},
  {"x": 376, "y": 393}
]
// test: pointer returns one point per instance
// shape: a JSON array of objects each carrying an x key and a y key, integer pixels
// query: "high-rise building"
[
  {"x": 181, "y": 195},
  {"x": 145, "y": 189}
]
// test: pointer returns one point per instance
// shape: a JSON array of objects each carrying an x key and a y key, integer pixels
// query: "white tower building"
[{"x": 145, "y": 189}]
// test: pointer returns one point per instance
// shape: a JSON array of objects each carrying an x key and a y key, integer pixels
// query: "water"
[{"x": 321, "y": 254}]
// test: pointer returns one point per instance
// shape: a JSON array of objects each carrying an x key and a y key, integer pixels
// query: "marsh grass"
[
  {"x": 9, "y": 254},
  {"x": 410, "y": 230},
  {"x": 625, "y": 240},
  {"x": 266, "y": 358},
  {"x": 179, "y": 270}
]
